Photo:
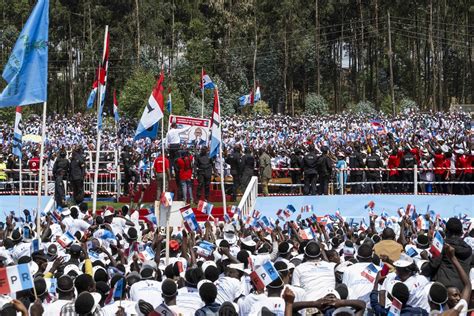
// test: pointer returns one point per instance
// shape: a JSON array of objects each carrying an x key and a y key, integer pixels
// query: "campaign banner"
[{"x": 197, "y": 134}]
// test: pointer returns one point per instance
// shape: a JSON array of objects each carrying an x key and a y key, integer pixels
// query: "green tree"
[{"x": 316, "y": 105}]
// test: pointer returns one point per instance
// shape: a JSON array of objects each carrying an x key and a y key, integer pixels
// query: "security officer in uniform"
[
  {"x": 356, "y": 161},
  {"x": 296, "y": 162},
  {"x": 61, "y": 163},
  {"x": 203, "y": 166},
  {"x": 324, "y": 168},
  {"x": 310, "y": 162},
  {"x": 408, "y": 161},
  {"x": 373, "y": 161},
  {"x": 248, "y": 167},
  {"x": 77, "y": 172},
  {"x": 234, "y": 160},
  {"x": 129, "y": 172}
]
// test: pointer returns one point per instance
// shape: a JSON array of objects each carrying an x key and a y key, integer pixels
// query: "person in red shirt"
[
  {"x": 393, "y": 175},
  {"x": 34, "y": 163},
  {"x": 158, "y": 168},
  {"x": 185, "y": 167},
  {"x": 462, "y": 161},
  {"x": 440, "y": 174}
]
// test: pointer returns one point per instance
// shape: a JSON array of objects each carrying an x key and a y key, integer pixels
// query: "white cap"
[
  {"x": 207, "y": 264},
  {"x": 238, "y": 266},
  {"x": 248, "y": 241},
  {"x": 403, "y": 262},
  {"x": 108, "y": 213}
]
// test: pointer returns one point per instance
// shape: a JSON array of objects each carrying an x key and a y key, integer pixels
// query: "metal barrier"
[{"x": 110, "y": 181}]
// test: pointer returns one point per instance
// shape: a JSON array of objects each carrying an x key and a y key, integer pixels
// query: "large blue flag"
[{"x": 26, "y": 71}]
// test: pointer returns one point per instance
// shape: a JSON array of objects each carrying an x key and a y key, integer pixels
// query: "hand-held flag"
[
  {"x": 15, "y": 278},
  {"x": 26, "y": 71},
  {"x": 264, "y": 275},
  {"x": 437, "y": 245}
]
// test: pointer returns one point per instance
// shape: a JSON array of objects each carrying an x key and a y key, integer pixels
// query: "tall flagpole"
[
  {"x": 224, "y": 204},
  {"x": 99, "y": 131},
  {"x": 202, "y": 93},
  {"x": 20, "y": 204},
  {"x": 40, "y": 176}
]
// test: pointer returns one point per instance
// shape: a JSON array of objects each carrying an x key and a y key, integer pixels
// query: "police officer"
[
  {"x": 77, "y": 168},
  {"x": 296, "y": 162},
  {"x": 324, "y": 167},
  {"x": 373, "y": 161},
  {"x": 128, "y": 171},
  {"x": 61, "y": 163},
  {"x": 408, "y": 161},
  {"x": 203, "y": 165},
  {"x": 356, "y": 161},
  {"x": 59, "y": 190},
  {"x": 310, "y": 162},
  {"x": 265, "y": 167},
  {"x": 234, "y": 160},
  {"x": 248, "y": 167}
]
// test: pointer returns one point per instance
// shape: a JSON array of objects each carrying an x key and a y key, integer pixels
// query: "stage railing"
[{"x": 249, "y": 199}]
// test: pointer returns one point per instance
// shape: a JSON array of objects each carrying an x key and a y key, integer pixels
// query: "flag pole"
[
  {"x": 20, "y": 204},
  {"x": 40, "y": 176},
  {"x": 222, "y": 177},
  {"x": 99, "y": 132},
  {"x": 224, "y": 204},
  {"x": 202, "y": 93},
  {"x": 163, "y": 158}
]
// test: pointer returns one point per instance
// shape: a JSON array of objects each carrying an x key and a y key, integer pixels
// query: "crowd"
[
  {"x": 115, "y": 264},
  {"x": 313, "y": 152}
]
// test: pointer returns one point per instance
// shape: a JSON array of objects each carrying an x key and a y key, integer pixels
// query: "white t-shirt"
[
  {"x": 147, "y": 290},
  {"x": 315, "y": 277},
  {"x": 276, "y": 305},
  {"x": 228, "y": 289},
  {"x": 78, "y": 225},
  {"x": 416, "y": 284},
  {"x": 359, "y": 287},
  {"x": 67, "y": 221},
  {"x": 188, "y": 300},
  {"x": 118, "y": 225},
  {"x": 128, "y": 306},
  {"x": 54, "y": 308},
  {"x": 20, "y": 250}
]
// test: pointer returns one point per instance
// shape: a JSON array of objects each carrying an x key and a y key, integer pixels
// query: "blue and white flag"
[
  {"x": 206, "y": 82},
  {"x": 116, "y": 112},
  {"x": 26, "y": 71},
  {"x": 92, "y": 95},
  {"x": 18, "y": 134},
  {"x": 169, "y": 105},
  {"x": 264, "y": 275},
  {"x": 216, "y": 126},
  {"x": 257, "y": 95},
  {"x": 244, "y": 100}
]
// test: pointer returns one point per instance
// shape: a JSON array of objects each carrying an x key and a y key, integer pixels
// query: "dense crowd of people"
[
  {"x": 313, "y": 152},
  {"x": 115, "y": 263}
]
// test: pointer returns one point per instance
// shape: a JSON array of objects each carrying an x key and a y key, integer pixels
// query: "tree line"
[{"x": 338, "y": 51}]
